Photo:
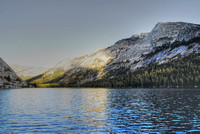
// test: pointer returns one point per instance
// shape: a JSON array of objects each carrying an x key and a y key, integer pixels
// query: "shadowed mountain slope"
[{"x": 8, "y": 78}]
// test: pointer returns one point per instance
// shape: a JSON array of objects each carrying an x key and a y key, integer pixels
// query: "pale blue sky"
[{"x": 43, "y": 32}]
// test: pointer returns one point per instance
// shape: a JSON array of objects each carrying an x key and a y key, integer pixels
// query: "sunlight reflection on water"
[{"x": 58, "y": 110}]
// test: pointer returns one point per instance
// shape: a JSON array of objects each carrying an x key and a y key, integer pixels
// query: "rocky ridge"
[
  {"x": 8, "y": 78},
  {"x": 163, "y": 44}
]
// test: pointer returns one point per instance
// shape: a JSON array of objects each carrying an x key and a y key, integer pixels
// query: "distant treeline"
[{"x": 182, "y": 72}]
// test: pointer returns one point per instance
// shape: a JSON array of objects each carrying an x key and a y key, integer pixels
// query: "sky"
[{"x": 44, "y": 32}]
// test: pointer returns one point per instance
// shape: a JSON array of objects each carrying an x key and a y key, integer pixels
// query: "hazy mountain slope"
[
  {"x": 95, "y": 62},
  {"x": 8, "y": 78},
  {"x": 27, "y": 72},
  {"x": 165, "y": 43}
]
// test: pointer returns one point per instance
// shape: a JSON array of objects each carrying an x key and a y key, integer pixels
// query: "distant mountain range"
[
  {"x": 27, "y": 72},
  {"x": 168, "y": 56}
]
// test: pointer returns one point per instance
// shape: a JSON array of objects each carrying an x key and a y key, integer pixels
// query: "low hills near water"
[{"x": 168, "y": 56}]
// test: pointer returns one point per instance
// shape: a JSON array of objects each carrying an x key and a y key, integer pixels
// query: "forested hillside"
[
  {"x": 168, "y": 56},
  {"x": 182, "y": 72}
]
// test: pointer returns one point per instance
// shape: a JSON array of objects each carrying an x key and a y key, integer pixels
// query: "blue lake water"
[{"x": 71, "y": 110}]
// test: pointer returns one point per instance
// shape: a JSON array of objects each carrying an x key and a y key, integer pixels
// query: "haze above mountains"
[
  {"x": 41, "y": 33},
  {"x": 166, "y": 43}
]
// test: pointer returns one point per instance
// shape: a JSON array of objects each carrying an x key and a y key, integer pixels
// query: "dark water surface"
[{"x": 65, "y": 110}]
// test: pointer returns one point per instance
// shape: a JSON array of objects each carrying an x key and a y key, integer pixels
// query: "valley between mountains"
[{"x": 168, "y": 56}]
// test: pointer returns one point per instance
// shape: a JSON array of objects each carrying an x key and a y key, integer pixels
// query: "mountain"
[
  {"x": 27, "y": 72},
  {"x": 137, "y": 61},
  {"x": 8, "y": 78}
]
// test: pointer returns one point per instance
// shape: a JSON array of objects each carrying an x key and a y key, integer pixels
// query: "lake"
[{"x": 90, "y": 110}]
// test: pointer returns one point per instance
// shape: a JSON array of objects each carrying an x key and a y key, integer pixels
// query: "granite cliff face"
[
  {"x": 166, "y": 42},
  {"x": 8, "y": 78}
]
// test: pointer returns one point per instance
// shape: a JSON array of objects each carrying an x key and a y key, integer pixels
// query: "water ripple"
[{"x": 100, "y": 110}]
